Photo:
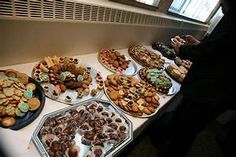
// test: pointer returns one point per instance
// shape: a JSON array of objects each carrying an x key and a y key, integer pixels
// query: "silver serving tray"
[{"x": 109, "y": 149}]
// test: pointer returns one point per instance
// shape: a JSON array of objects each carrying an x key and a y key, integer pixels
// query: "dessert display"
[
  {"x": 94, "y": 128},
  {"x": 178, "y": 73},
  {"x": 116, "y": 62},
  {"x": 157, "y": 78},
  {"x": 21, "y": 99},
  {"x": 164, "y": 50},
  {"x": 146, "y": 57},
  {"x": 134, "y": 97},
  {"x": 65, "y": 80}
]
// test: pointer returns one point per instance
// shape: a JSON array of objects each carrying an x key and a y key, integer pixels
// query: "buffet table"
[{"x": 18, "y": 143}]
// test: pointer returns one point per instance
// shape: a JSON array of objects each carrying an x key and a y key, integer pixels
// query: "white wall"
[{"x": 28, "y": 41}]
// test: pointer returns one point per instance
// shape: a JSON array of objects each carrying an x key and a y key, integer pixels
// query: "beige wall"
[
  {"x": 28, "y": 41},
  {"x": 164, "y": 5}
]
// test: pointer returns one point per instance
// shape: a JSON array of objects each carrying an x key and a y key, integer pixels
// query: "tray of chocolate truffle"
[
  {"x": 65, "y": 80},
  {"x": 91, "y": 128},
  {"x": 21, "y": 99},
  {"x": 116, "y": 62}
]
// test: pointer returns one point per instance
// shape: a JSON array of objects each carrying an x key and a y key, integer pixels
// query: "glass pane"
[
  {"x": 195, "y": 9},
  {"x": 215, "y": 19}
]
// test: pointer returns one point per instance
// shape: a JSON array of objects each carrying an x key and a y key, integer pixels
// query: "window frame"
[{"x": 138, "y": 4}]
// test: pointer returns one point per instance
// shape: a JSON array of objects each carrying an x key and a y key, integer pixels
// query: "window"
[
  {"x": 214, "y": 20},
  {"x": 200, "y": 10},
  {"x": 147, "y": 4}
]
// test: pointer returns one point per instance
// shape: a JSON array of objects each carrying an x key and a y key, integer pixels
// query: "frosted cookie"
[
  {"x": 31, "y": 86},
  {"x": 80, "y": 78},
  {"x": 24, "y": 107},
  {"x": 34, "y": 104},
  {"x": 19, "y": 113},
  {"x": 28, "y": 94}
]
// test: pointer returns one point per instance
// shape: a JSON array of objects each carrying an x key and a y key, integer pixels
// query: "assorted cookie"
[
  {"x": 135, "y": 97},
  {"x": 157, "y": 78},
  {"x": 65, "y": 80},
  {"x": 146, "y": 57},
  {"x": 113, "y": 60},
  {"x": 93, "y": 126},
  {"x": 17, "y": 97}
]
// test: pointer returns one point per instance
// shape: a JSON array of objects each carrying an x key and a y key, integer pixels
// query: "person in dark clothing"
[{"x": 208, "y": 88}]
